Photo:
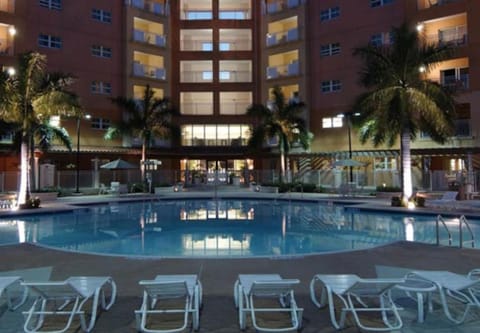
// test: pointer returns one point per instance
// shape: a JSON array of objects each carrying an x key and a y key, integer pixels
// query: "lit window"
[
  {"x": 207, "y": 76},
  {"x": 224, "y": 46},
  {"x": 98, "y": 87},
  {"x": 330, "y": 13},
  {"x": 101, "y": 51},
  {"x": 51, "y": 4},
  {"x": 331, "y": 86},
  {"x": 332, "y": 122},
  {"x": 49, "y": 41},
  {"x": 224, "y": 76},
  {"x": 207, "y": 46},
  {"x": 101, "y": 15},
  {"x": 100, "y": 123},
  {"x": 379, "y": 3}
]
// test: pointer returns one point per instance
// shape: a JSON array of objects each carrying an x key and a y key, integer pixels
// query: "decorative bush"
[
  {"x": 31, "y": 203},
  {"x": 388, "y": 189},
  {"x": 396, "y": 202}
]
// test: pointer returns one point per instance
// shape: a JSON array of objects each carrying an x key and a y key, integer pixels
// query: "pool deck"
[{"x": 218, "y": 275}]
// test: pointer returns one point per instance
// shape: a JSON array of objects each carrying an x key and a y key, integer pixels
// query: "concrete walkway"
[{"x": 218, "y": 275}]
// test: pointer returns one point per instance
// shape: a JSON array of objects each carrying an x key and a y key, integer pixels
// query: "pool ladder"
[{"x": 462, "y": 225}]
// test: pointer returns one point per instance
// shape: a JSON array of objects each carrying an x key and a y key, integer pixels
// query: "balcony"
[
  {"x": 7, "y": 6},
  {"x": 234, "y": 10},
  {"x": 454, "y": 83},
  {"x": 425, "y": 4},
  {"x": 453, "y": 35},
  {"x": 154, "y": 7},
  {"x": 291, "y": 69},
  {"x": 281, "y": 5},
  {"x": 149, "y": 38},
  {"x": 281, "y": 37},
  {"x": 146, "y": 71}
]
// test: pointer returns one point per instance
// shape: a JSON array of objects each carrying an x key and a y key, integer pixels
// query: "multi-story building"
[{"x": 213, "y": 58}]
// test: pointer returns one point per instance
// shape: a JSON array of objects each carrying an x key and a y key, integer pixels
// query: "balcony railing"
[
  {"x": 6, "y": 47},
  {"x": 291, "y": 69},
  {"x": 155, "y": 7},
  {"x": 235, "y": 14},
  {"x": 149, "y": 38},
  {"x": 461, "y": 83},
  {"x": 281, "y": 37},
  {"x": 280, "y": 5},
  {"x": 235, "y": 76},
  {"x": 196, "y": 76},
  {"x": 456, "y": 36},
  {"x": 425, "y": 4},
  {"x": 196, "y": 45},
  {"x": 234, "y": 108},
  {"x": 196, "y": 108},
  {"x": 152, "y": 72}
]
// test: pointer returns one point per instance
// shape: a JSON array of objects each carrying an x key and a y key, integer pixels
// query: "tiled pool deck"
[{"x": 218, "y": 275}]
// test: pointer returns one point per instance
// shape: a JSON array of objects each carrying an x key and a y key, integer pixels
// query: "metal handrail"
[
  {"x": 440, "y": 219},
  {"x": 463, "y": 221}
]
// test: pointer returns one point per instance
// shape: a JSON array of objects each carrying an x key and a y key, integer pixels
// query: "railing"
[
  {"x": 463, "y": 222},
  {"x": 157, "y": 8},
  {"x": 149, "y": 38},
  {"x": 291, "y": 69},
  {"x": 7, "y": 6},
  {"x": 281, "y": 37},
  {"x": 196, "y": 108},
  {"x": 455, "y": 35},
  {"x": 280, "y": 5},
  {"x": 205, "y": 45},
  {"x": 234, "y": 14},
  {"x": 425, "y": 4},
  {"x": 462, "y": 225},
  {"x": 148, "y": 71}
]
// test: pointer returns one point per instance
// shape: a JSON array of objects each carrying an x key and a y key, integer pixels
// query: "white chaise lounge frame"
[
  {"x": 7, "y": 286},
  {"x": 248, "y": 287},
  {"x": 167, "y": 287},
  {"x": 452, "y": 286},
  {"x": 355, "y": 295},
  {"x": 71, "y": 294}
]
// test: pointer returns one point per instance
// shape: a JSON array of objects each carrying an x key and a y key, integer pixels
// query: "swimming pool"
[{"x": 218, "y": 228}]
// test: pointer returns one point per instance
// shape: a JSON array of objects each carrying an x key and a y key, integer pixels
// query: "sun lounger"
[
  {"x": 163, "y": 289},
  {"x": 250, "y": 288},
  {"x": 448, "y": 200},
  {"x": 56, "y": 299},
  {"x": 10, "y": 286},
  {"x": 454, "y": 290},
  {"x": 356, "y": 296}
]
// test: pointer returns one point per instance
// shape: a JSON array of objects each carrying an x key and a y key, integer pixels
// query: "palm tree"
[
  {"x": 282, "y": 121},
  {"x": 27, "y": 100},
  {"x": 400, "y": 101},
  {"x": 147, "y": 119}
]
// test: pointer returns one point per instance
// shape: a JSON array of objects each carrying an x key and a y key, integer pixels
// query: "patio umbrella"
[
  {"x": 118, "y": 165},
  {"x": 347, "y": 163}
]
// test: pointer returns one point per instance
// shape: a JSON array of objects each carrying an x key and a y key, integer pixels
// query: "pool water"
[{"x": 219, "y": 228}]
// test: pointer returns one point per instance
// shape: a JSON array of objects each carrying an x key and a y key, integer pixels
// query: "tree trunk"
[
  {"x": 23, "y": 192},
  {"x": 406, "y": 175}
]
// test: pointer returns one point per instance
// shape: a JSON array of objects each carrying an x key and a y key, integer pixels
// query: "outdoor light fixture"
[
  {"x": 87, "y": 116},
  {"x": 11, "y": 71},
  {"x": 420, "y": 27}
]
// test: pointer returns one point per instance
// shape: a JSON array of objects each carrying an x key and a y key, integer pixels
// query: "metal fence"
[{"x": 328, "y": 179}]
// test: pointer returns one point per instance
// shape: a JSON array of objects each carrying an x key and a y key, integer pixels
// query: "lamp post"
[
  {"x": 77, "y": 182},
  {"x": 348, "y": 118}
]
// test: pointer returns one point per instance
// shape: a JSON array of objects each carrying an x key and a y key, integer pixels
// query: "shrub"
[
  {"x": 396, "y": 202},
  {"x": 388, "y": 189}
]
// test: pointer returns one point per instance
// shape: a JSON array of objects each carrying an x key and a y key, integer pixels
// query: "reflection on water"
[{"x": 217, "y": 228}]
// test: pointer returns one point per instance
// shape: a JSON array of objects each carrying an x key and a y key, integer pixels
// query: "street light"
[
  {"x": 348, "y": 118},
  {"x": 87, "y": 116}
]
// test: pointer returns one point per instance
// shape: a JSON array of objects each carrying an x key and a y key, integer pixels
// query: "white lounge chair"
[
  {"x": 66, "y": 299},
  {"x": 448, "y": 200},
  {"x": 357, "y": 295},
  {"x": 454, "y": 290},
  {"x": 251, "y": 287},
  {"x": 11, "y": 286},
  {"x": 163, "y": 289}
]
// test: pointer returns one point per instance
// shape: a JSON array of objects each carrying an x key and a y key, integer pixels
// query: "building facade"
[{"x": 213, "y": 58}]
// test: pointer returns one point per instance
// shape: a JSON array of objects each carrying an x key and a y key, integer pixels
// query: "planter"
[
  {"x": 45, "y": 196},
  {"x": 269, "y": 189},
  {"x": 388, "y": 195}
]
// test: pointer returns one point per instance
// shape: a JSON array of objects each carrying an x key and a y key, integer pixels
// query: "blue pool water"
[{"x": 226, "y": 228}]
